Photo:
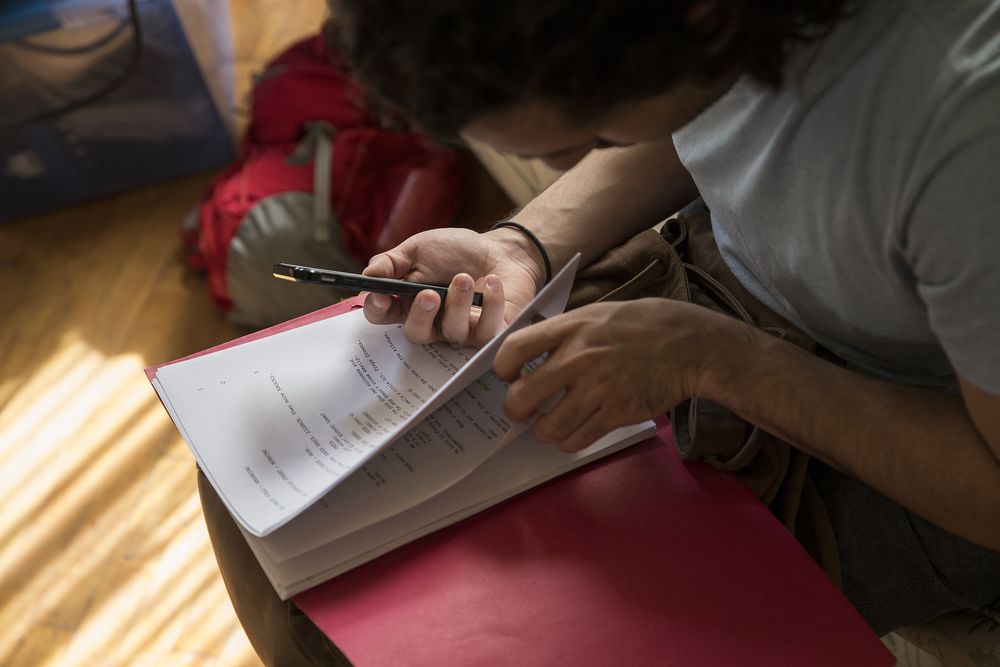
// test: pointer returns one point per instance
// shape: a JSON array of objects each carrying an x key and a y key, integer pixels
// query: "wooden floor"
[{"x": 104, "y": 558}]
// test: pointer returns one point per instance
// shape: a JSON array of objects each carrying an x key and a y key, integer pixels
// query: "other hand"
[{"x": 618, "y": 362}]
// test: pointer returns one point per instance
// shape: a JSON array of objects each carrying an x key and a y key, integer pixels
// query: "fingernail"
[
  {"x": 463, "y": 284},
  {"x": 380, "y": 301},
  {"x": 492, "y": 282},
  {"x": 427, "y": 304}
]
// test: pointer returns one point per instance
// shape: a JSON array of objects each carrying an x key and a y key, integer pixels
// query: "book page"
[{"x": 277, "y": 422}]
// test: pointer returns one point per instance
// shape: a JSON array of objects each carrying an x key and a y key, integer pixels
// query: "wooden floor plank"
[{"x": 41, "y": 645}]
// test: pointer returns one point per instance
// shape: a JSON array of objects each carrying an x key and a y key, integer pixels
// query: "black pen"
[{"x": 356, "y": 282}]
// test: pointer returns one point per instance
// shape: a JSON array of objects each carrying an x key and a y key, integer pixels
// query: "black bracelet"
[{"x": 534, "y": 239}]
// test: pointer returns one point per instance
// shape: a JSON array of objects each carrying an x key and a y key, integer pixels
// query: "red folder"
[{"x": 637, "y": 559}]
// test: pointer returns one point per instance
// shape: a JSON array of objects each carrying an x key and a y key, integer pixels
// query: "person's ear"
[{"x": 716, "y": 20}]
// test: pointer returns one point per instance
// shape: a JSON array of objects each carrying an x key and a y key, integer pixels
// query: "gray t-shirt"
[{"x": 861, "y": 200}]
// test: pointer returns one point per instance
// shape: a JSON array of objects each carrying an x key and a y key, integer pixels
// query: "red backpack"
[{"x": 320, "y": 183}]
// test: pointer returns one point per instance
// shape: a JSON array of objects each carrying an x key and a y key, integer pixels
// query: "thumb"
[{"x": 387, "y": 265}]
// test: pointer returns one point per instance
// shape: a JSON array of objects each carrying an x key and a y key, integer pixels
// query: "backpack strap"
[{"x": 317, "y": 147}]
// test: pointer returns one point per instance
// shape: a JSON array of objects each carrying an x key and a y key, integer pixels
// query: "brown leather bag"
[{"x": 682, "y": 262}]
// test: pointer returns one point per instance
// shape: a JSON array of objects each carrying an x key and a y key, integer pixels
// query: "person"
[{"x": 848, "y": 153}]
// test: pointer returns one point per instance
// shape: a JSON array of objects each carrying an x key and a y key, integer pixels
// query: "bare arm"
[
  {"x": 610, "y": 196},
  {"x": 937, "y": 455}
]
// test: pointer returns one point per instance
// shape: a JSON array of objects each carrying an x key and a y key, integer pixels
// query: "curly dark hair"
[{"x": 443, "y": 63}]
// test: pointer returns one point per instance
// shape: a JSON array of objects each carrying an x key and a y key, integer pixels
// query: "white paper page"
[
  {"x": 277, "y": 422},
  {"x": 452, "y": 442},
  {"x": 523, "y": 464}
]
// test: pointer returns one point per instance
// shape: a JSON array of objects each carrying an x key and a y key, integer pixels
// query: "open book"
[{"x": 333, "y": 442}]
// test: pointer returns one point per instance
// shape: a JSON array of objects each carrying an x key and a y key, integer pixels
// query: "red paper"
[{"x": 638, "y": 559}]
